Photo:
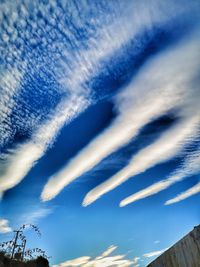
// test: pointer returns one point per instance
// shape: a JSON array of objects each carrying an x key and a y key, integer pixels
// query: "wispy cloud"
[
  {"x": 4, "y": 226},
  {"x": 154, "y": 253},
  {"x": 35, "y": 215},
  {"x": 190, "y": 166},
  {"x": 188, "y": 193},
  {"x": 135, "y": 109},
  {"x": 103, "y": 260}
]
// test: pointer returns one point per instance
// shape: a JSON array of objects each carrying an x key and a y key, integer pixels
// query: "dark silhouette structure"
[
  {"x": 14, "y": 254},
  {"x": 5, "y": 261}
]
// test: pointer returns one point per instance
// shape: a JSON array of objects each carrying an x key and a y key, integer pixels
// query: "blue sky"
[{"x": 99, "y": 127}]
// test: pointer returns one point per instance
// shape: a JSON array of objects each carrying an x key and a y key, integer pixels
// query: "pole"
[
  {"x": 24, "y": 245},
  {"x": 15, "y": 243}
]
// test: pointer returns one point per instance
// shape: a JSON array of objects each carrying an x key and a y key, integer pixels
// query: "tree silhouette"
[{"x": 13, "y": 252}]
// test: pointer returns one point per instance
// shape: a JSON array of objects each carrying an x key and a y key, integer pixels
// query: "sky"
[{"x": 100, "y": 127}]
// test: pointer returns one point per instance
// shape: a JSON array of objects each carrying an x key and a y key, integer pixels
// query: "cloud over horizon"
[{"x": 105, "y": 259}]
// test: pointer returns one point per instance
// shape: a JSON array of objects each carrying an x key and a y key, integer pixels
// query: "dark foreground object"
[
  {"x": 7, "y": 262},
  {"x": 185, "y": 253}
]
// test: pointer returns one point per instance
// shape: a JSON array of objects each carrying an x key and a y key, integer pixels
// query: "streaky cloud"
[
  {"x": 190, "y": 167},
  {"x": 184, "y": 195},
  {"x": 75, "y": 262},
  {"x": 19, "y": 160},
  {"x": 163, "y": 149},
  {"x": 17, "y": 163},
  {"x": 135, "y": 110}
]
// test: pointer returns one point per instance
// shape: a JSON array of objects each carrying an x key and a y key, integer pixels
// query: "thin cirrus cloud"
[
  {"x": 190, "y": 167},
  {"x": 105, "y": 259},
  {"x": 33, "y": 216},
  {"x": 135, "y": 110},
  {"x": 184, "y": 195}
]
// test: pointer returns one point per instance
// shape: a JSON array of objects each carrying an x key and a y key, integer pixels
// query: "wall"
[{"x": 185, "y": 253}]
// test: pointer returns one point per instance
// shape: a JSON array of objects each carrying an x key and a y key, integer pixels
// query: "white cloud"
[
  {"x": 84, "y": 64},
  {"x": 20, "y": 160},
  {"x": 167, "y": 146},
  {"x": 79, "y": 68},
  {"x": 189, "y": 167},
  {"x": 17, "y": 164},
  {"x": 188, "y": 193},
  {"x": 135, "y": 109},
  {"x": 107, "y": 252},
  {"x": 75, "y": 262},
  {"x": 103, "y": 260},
  {"x": 4, "y": 226},
  {"x": 154, "y": 253}
]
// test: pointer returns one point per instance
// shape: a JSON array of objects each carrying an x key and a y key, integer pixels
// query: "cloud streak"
[
  {"x": 184, "y": 195},
  {"x": 190, "y": 167},
  {"x": 166, "y": 147},
  {"x": 135, "y": 110}
]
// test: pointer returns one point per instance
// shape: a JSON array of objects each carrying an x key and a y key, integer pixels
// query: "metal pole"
[
  {"x": 15, "y": 242},
  {"x": 24, "y": 245}
]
